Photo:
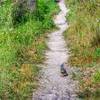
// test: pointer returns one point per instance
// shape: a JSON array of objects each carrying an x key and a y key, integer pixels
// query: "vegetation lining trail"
[
  {"x": 52, "y": 85},
  {"x": 22, "y": 35},
  {"x": 83, "y": 38}
]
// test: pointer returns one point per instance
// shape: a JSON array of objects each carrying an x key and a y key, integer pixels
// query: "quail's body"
[{"x": 63, "y": 70}]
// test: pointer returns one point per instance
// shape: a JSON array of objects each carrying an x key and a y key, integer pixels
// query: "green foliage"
[
  {"x": 21, "y": 43},
  {"x": 96, "y": 77},
  {"x": 43, "y": 12},
  {"x": 19, "y": 11},
  {"x": 43, "y": 9},
  {"x": 18, "y": 39}
]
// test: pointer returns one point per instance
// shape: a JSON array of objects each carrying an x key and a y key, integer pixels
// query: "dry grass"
[{"x": 83, "y": 38}]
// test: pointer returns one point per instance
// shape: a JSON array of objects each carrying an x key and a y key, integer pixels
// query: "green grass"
[
  {"x": 83, "y": 32},
  {"x": 18, "y": 83},
  {"x": 22, "y": 45},
  {"x": 12, "y": 39},
  {"x": 83, "y": 36}
]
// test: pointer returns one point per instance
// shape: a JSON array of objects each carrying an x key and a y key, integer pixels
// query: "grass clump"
[
  {"x": 17, "y": 83},
  {"x": 22, "y": 46},
  {"x": 83, "y": 36}
]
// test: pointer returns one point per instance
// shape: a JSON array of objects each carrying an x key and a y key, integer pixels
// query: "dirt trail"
[{"x": 52, "y": 85}]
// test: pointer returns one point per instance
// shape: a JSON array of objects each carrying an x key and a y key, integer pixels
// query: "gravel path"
[{"x": 52, "y": 85}]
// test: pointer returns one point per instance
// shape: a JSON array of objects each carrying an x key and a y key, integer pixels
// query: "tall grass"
[
  {"x": 83, "y": 32},
  {"x": 83, "y": 36},
  {"x": 22, "y": 45}
]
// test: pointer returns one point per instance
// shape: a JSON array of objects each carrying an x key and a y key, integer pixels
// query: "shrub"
[{"x": 19, "y": 11}]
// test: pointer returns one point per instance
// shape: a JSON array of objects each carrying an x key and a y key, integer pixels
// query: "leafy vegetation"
[
  {"x": 83, "y": 37},
  {"x": 22, "y": 35}
]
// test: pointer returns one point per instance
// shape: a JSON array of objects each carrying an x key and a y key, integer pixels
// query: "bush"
[{"x": 19, "y": 12}]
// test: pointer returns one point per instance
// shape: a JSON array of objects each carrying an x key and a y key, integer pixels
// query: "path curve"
[{"x": 52, "y": 85}]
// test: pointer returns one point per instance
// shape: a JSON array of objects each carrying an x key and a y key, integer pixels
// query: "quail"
[{"x": 63, "y": 70}]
